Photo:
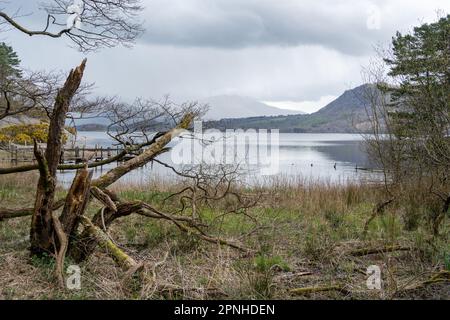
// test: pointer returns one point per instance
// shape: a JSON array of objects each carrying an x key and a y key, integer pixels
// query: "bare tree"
[
  {"x": 143, "y": 130},
  {"x": 29, "y": 92},
  {"x": 102, "y": 23},
  {"x": 131, "y": 127}
]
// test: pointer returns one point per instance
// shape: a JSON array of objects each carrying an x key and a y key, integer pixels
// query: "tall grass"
[
  {"x": 17, "y": 188},
  {"x": 300, "y": 227}
]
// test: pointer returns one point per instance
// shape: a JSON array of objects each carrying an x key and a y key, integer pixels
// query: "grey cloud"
[
  {"x": 340, "y": 25},
  {"x": 234, "y": 24},
  {"x": 198, "y": 48}
]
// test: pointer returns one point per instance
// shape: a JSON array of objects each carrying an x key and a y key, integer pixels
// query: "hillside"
[
  {"x": 346, "y": 114},
  {"x": 220, "y": 107}
]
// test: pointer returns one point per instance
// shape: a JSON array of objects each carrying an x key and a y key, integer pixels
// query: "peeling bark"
[
  {"x": 76, "y": 203},
  {"x": 42, "y": 226}
]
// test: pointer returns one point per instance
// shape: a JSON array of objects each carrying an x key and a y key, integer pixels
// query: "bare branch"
[{"x": 103, "y": 23}]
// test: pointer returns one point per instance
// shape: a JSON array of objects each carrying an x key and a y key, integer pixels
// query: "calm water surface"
[{"x": 309, "y": 157}]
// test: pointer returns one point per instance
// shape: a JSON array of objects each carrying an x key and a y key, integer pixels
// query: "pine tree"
[
  {"x": 9, "y": 61},
  {"x": 421, "y": 66}
]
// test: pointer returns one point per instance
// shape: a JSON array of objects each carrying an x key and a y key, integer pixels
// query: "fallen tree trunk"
[
  {"x": 15, "y": 213},
  {"x": 121, "y": 258},
  {"x": 104, "y": 198},
  {"x": 87, "y": 241},
  {"x": 24, "y": 212},
  {"x": 155, "y": 149}
]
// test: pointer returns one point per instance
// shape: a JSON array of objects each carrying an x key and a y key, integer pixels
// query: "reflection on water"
[{"x": 313, "y": 157}]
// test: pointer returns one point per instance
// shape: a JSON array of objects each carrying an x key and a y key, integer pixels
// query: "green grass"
[
  {"x": 265, "y": 263},
  {"x": 294, "y": 229},
  {"x": 150, "y": 196}
]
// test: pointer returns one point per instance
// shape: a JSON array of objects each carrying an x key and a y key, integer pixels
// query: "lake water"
[{"x": 327, "y": 157}]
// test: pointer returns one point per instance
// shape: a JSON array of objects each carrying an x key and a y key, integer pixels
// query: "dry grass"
[{"x": 305, "y": 235}]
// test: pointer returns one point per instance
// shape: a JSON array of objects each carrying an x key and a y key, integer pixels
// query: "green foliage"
[
  {"x": 258, "y": 280},
  {"x": 45, "y": 263},
  {"x": 447, "y": 261},
  {"x": 419, "y": 121},
  {"x": 6, "y": 194},
  {"x": 260, "y": 276},
  {"x": 422, "y": 54},
  {"x": 261, "y": 284},
  {"x": 266, "y": 263},
  {"x": 421, "y": 62},
  {"x": 318, "y": 241},
  {"x": 9, "y": 61},
  {"x": 335, "y": 219}
]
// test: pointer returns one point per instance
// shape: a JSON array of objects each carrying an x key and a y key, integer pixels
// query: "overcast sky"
[{"x": 298, "y": 54}]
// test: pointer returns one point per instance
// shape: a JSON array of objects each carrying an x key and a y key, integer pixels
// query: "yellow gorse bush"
[{"x": 26, "y": 133}]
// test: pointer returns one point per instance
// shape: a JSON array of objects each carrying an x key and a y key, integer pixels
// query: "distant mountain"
[
  {"x": 231, "y": 106},
  {"x": 346, "y": 114},
  {"x": 227, "y": 106},
  {"x": 92, "y": 127},
  {"x": 89, "y": 123}
]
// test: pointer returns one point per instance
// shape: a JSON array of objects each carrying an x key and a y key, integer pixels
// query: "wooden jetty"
[{"x": 78, "y": 154}]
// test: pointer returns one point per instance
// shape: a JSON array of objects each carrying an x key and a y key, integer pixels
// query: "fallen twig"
[
  {"x": 378, "y": 210},
  {"x": 308, "y": 290},
  {"x": 200, "y": 235},
  {"x": 439, "y": 277},
  {"x": 386, "y": 249}
]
